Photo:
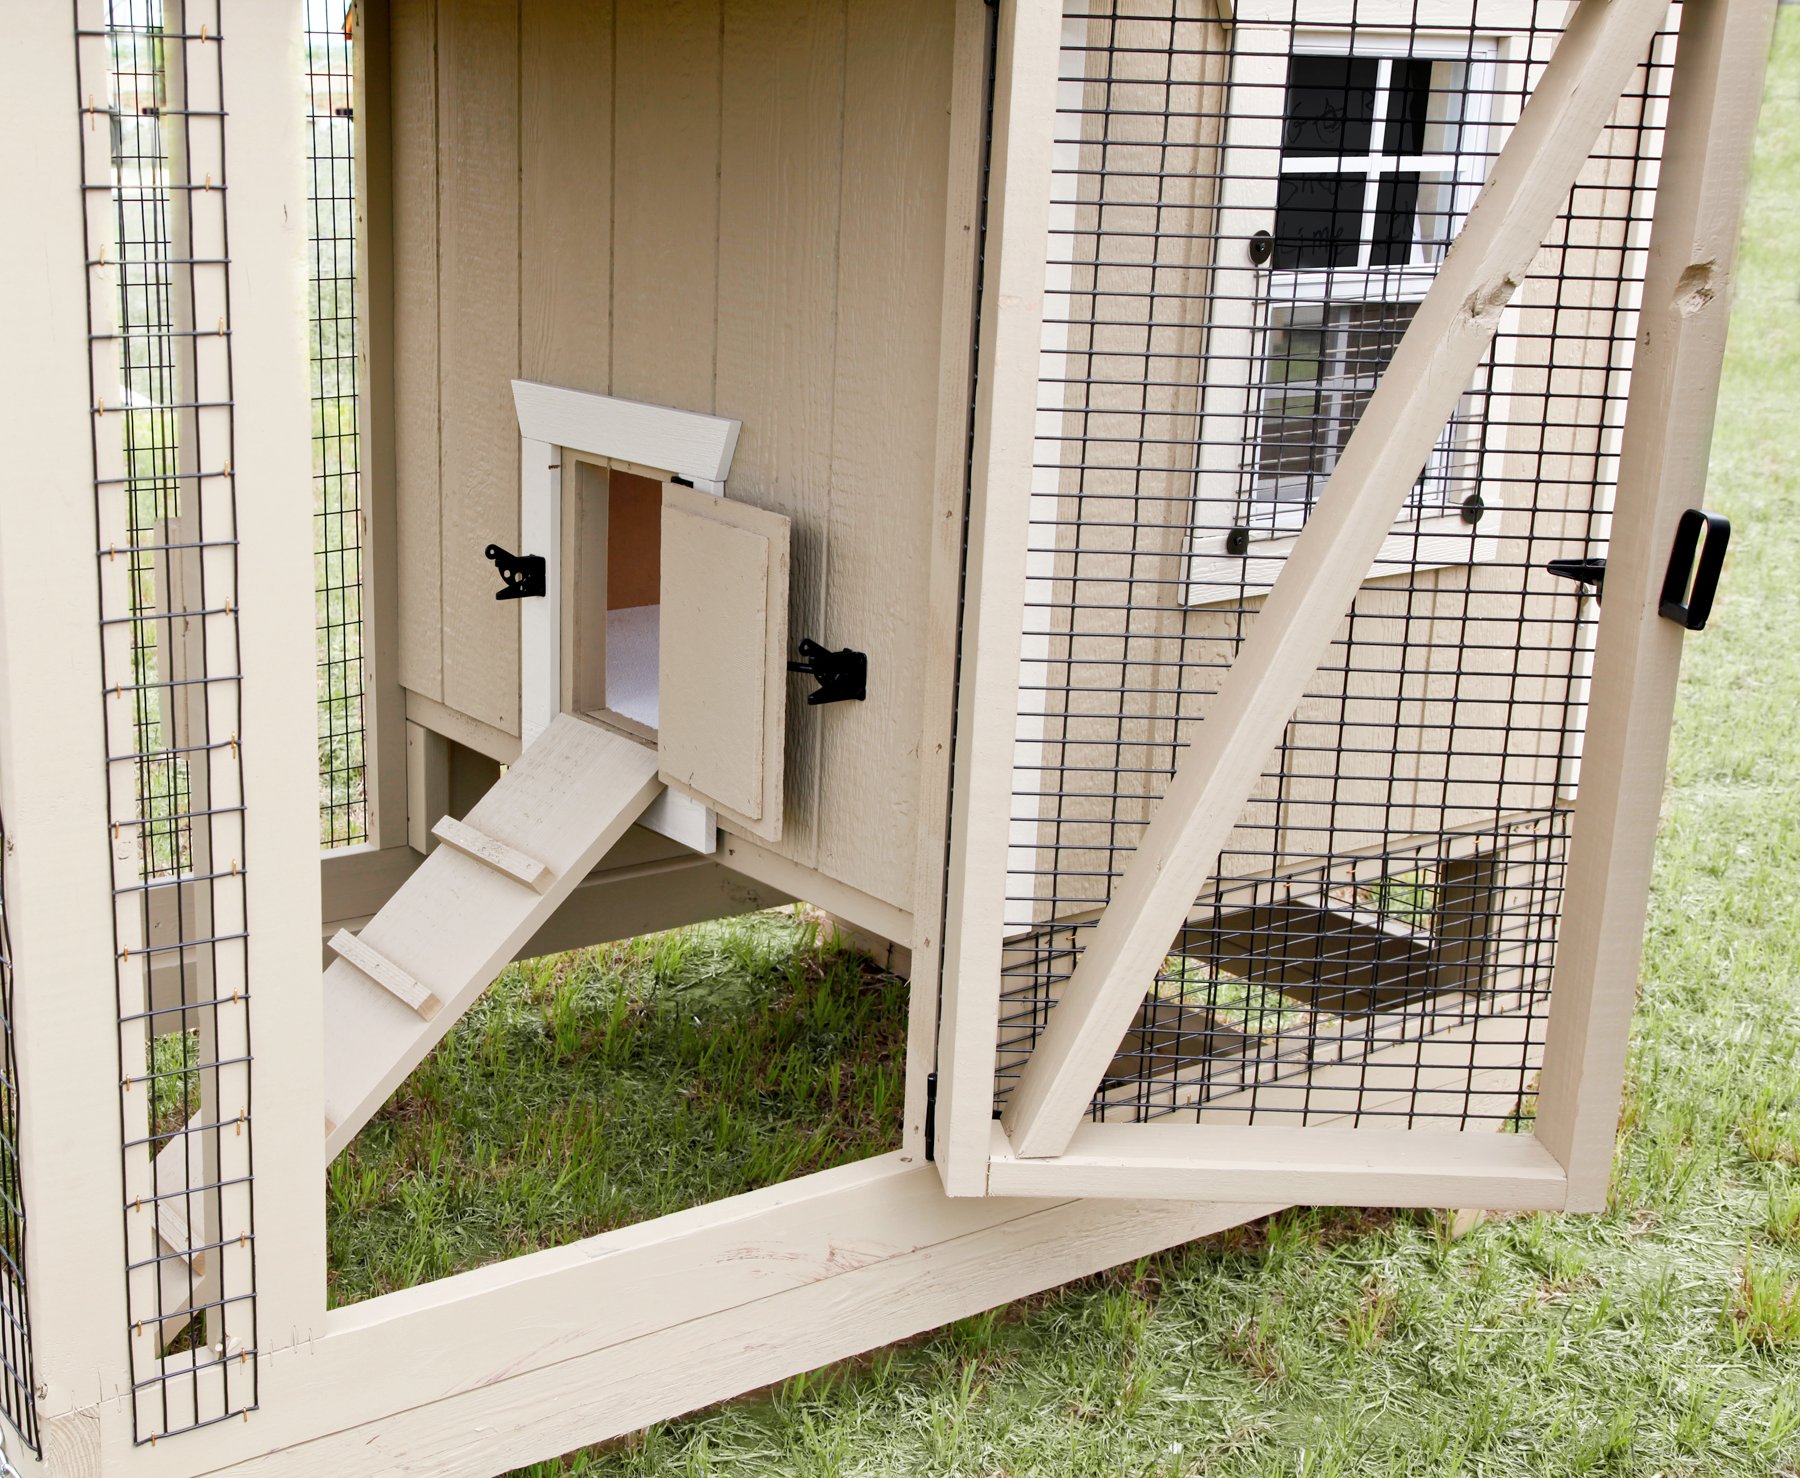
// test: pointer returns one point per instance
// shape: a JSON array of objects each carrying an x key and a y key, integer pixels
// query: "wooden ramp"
[{"x": 496, "y": 876}]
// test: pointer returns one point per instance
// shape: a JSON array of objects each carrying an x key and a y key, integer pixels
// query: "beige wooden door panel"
[{"x": 722, "y": 663}]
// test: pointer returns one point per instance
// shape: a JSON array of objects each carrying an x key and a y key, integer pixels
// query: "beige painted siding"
[{"x": 732, "y": 206}]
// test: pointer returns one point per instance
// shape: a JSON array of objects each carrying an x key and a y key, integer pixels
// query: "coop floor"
[
  {"x": 632, "y": 643},
  {"x": 596, "y": 1089}
]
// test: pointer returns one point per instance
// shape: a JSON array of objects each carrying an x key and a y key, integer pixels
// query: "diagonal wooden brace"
[{"x": 1604, "y": 44}]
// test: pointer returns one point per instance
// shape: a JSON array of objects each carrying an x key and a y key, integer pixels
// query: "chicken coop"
[{"x": 1172, "y": 521}]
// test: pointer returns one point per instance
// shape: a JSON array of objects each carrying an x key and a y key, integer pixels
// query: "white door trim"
[{"x": 687, "y": 444}]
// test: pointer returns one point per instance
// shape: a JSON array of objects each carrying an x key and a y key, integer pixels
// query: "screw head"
[
  {"x": 1262, "y": 247},
  {"x": 1472, "y": 509},
  {"x": 1238, "y": 541}
]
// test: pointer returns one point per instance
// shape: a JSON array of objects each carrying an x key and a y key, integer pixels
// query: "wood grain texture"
[
  {"x": 385, "y": 973},
  {"x": 1720, "y": 58},
  {"x": 478, "y": 331},
  {"x": 1024, "y": 108},
  {"x": 665, "y": 201},
  {"x": 680, "y": 438},
  {"x": 565, "y": 192},
  {"x": 57, "y": 859},
  {"x": 384, "y": 702},
  {"x": 497, "y": 855},
  {"x": 417, "y": 494},
  {"x": 1341, "y": 1167},
  {"x": 722, "y": 670},
  {"x": 455, "y": 922},
  {"x": 781, "y": 110},
  {"x": 967, "y": 147},
  {"x": 706, "y": 218},
  {"x": 884, "y": 431},
  {"x": 510, "y": 1363}
]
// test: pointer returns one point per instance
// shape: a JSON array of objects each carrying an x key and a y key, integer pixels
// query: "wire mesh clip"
[{"x": 524, "y": 574}]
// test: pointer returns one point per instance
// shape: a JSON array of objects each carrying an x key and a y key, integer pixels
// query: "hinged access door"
[
  {"x": 723, "y": 655},
  {"x": 1327, "y": 882},
  {"x": 665, "y": 612}
]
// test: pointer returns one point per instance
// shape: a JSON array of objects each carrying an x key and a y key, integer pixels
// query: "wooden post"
[
  {"x": 956, "y": 358},
  {"x": 1024, "y": 127},
  {"x": 266, "y": 146},
  {"x": 1719, "y": 63},
  {"x": 1603, "y": 45},
  {"x": 52, "y": 751}
]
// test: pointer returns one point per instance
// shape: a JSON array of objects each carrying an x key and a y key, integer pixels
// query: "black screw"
[
  {"x": 1472, "y": 509},
  {"x": 1262, "y": 247},
  {"x": 1238, "y": 541}
]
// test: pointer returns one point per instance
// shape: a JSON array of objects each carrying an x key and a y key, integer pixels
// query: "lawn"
[{"x": 1660, "y": 1337}]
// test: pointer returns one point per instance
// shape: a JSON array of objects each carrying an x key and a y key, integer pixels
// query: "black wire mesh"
[
  {"x": 337, "y": 466},
  {"x": 1243, "y": 221},
  {"x": 18, "y": 1388},
  {"x": 152, "y": 121}
]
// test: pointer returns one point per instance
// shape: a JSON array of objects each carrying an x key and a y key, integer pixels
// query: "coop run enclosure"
[{"x": 1174, "y": 521}]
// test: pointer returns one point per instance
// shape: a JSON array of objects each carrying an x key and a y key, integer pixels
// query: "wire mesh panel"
[
  {"x": 337, "y": 466},
  {"x": 152, "y": 120},
  {"x": 18, "y": 1389},
  {"x": 1244, "y": 217}
]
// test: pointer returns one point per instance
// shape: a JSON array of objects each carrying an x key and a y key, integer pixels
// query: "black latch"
[
  {"x": 1690, "y": 584},
  {"x": 524, "y": 574},
  {"x": 843, "y": 676},
  {"x": 931, "y": 1116},
  {"x": 1582, "y": 572}
]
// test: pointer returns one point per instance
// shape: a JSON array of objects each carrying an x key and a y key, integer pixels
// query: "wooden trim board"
[
  {"x": 1028, "y": 50},
  {"x": 690, "y": 444},
  {"x": 1715, "y": 94},
  {"x": 1329, "y": 1166},
  {"x": 497, "y": 855},
  {"x": 525, "y": 1359}
]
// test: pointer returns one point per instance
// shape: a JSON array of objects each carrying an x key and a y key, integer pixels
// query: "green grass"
[
  {"x": 591, "y": 1090},
  {"x": 1662, "y": 1337}
]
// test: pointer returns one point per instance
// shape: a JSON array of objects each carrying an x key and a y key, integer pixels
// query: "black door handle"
[{"x": 1691, "y": 582}]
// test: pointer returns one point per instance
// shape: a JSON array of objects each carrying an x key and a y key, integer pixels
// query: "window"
[{"x": 1349, "y": 163}]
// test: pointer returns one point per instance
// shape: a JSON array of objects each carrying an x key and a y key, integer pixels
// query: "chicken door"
[{"x": 664, "y": 609}]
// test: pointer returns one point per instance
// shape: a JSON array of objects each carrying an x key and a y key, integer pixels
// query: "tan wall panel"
[
  {"x": 415, "y": 166},
  {"x": 782, "y": 139},
  {"x": 732, "y": 206},
  {"x": 884, "y": 436},
  {"x": 665, "y": 201},
  {"x": 478, "y": 327},
  {"x": 565, "y": 192}
]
